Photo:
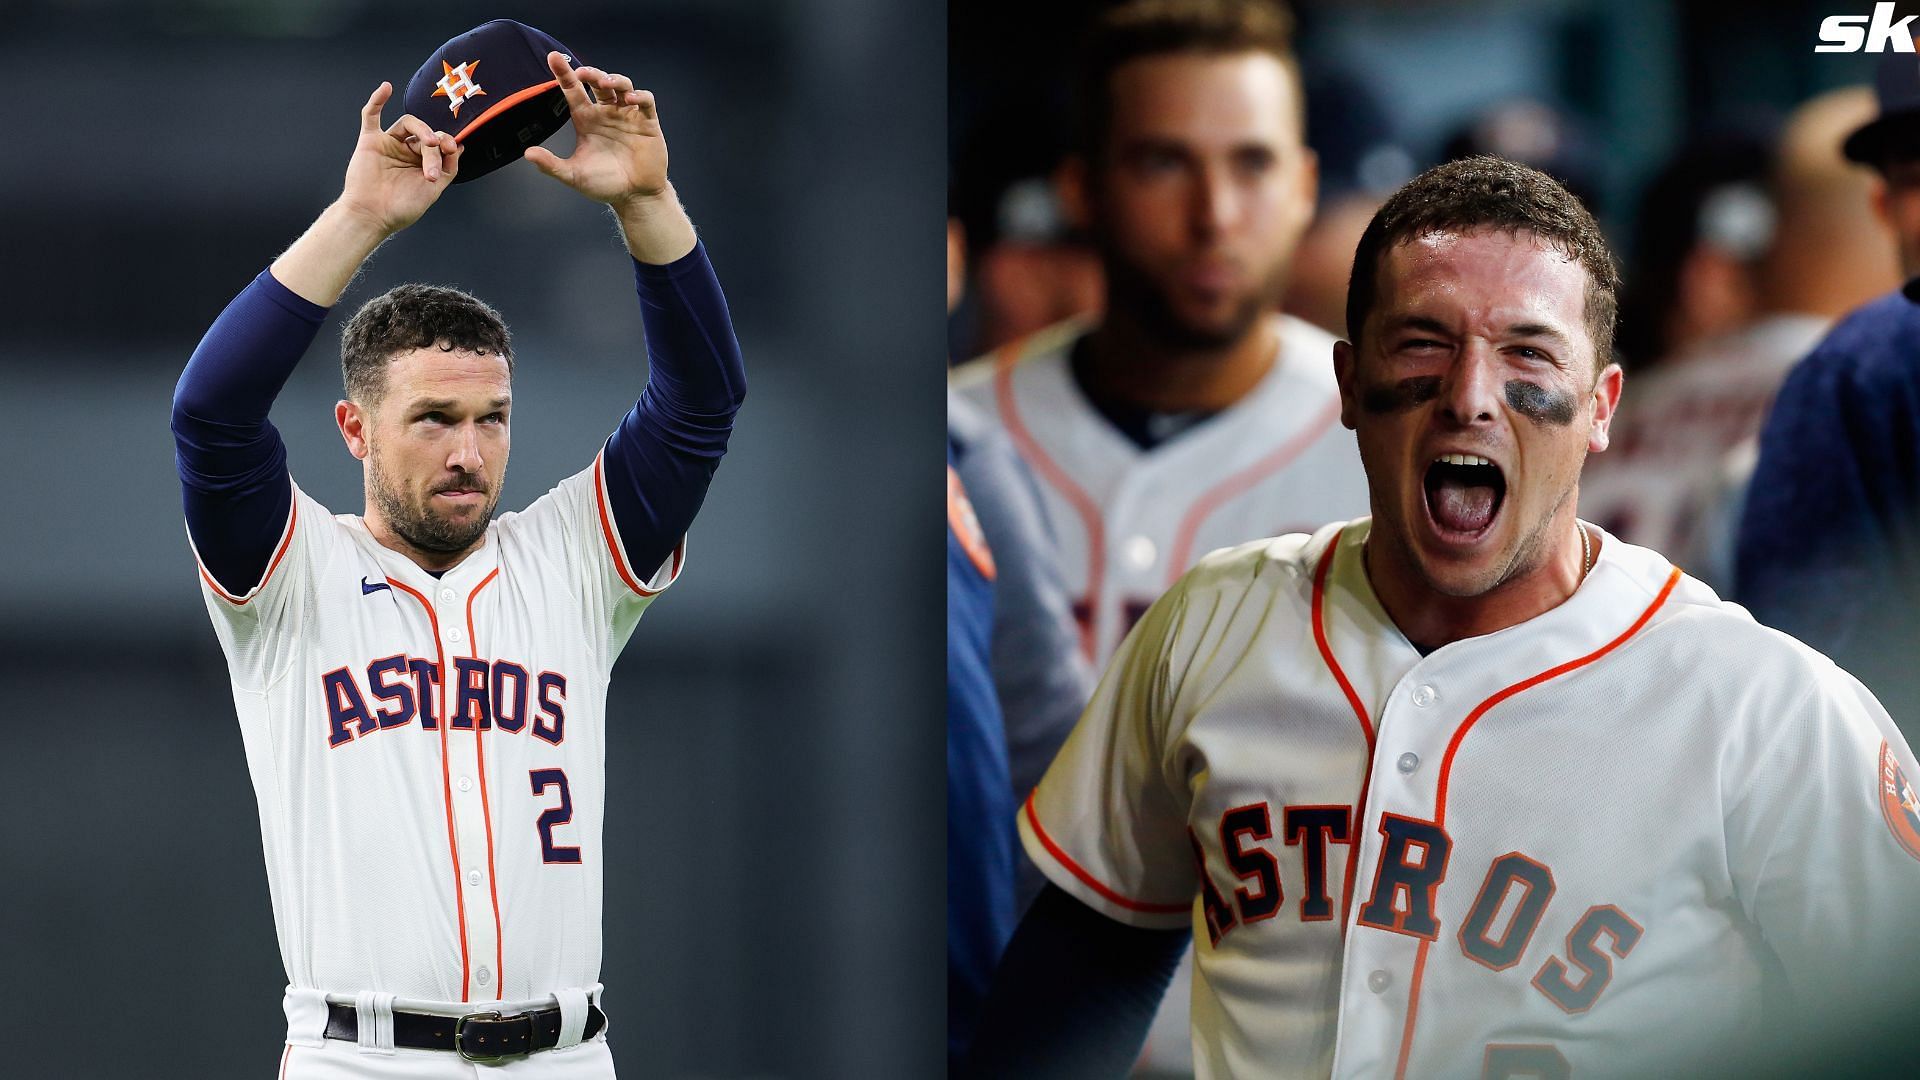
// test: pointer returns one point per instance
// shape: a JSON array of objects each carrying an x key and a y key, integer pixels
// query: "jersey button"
[
  {"x": 454, "y": 635},
  {"x": 466, "y": 784},
  {"x": 1423, "y": 695},
  {"x": 483, "y": 976},
  {"x": 1141, "y": 553},
  {"x": 473, "y": 878},
  {"x": 446, "y": 594},
  {"x": 1408, "y": 762},
  {"x": 1379, "y": 981}
]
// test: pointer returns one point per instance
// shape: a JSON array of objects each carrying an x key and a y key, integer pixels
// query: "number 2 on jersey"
[{"x": 550, "y": 852}]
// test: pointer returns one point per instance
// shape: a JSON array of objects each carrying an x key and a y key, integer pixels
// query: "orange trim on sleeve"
[
  {"x": 1446, "y": 772},
  {"x": 286, "y": 541},
  {"x": 486, "y": 809},
  {"x": 1060, "y": 855},
  {"x": 613, "y": 542},
  {"x": 1003, "y": 364},
  {"x": 446, "y": 779},
  {"x": 1239, "y": 482},
  {"x": 503, "y": 105}
]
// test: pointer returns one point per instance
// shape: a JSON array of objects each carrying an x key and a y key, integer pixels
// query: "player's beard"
[
  {"x": 418, "y": 523},
  {"x": 1135, "y": 291}
]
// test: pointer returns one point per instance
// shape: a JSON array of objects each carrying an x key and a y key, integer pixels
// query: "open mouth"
[{"x": 1464, "y": 495}]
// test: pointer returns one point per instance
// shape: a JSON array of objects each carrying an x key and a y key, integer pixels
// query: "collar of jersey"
[
  {"x": 1624, "y": 579},
  {"x": 462, "y": 577}
]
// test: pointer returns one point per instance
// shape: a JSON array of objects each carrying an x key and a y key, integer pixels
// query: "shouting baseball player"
[
  {"x": 1468, "y": 787},
  {"x": 1192, "y": 416},
  {"x": 422, "y": 688}
]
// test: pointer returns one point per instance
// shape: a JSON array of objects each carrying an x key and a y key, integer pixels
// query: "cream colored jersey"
[
  {"x": 1131, "y": 521},
  {"x": 429, "y": 753},
  {"x": 1581, "y": 845}
]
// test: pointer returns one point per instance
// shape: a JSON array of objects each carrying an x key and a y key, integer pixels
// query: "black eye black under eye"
[{"x": 1539, "y": 404}]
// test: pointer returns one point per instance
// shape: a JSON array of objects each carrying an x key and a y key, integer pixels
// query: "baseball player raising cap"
[
  {"x": 1467, "y": 787},
  {"x": 422, "y": 687}
]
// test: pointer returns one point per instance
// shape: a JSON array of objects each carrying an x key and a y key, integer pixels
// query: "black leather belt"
[{"x": 484, "y": 1036}]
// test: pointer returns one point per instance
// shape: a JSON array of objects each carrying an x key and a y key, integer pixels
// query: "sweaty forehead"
[
  {"x": 1486, "y": 278},
  {"x": 1203, "y": 98}
]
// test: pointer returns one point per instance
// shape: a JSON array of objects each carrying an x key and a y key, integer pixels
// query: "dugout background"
[
  {"x": 774, "y": 813},
  {"x": 1390, "y": 85}
]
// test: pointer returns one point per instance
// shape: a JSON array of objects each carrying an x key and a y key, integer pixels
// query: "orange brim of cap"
[{"x": 504, "y": 104}]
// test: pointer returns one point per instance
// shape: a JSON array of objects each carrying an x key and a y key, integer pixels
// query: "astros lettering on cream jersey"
[
  {"x": 374, "y": 697},
  {"x": 1581, "y": 845},
  {"x": 1131, "y": 521}
]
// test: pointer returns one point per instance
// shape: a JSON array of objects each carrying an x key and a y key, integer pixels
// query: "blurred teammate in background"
[
  {"x": 1015, "y": 685},
  {"x": 1774, "y": 259},
  {"x": 1193, "y": 416},
  {"x": 1829, "y": 545}
]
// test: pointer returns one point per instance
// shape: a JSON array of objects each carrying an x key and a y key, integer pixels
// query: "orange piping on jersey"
[
  {"x": 1359, "y": 711},
  {"x": 613, "y": 543},
  {"x": 1053, "y": 849},
  {"x": 446, "y": 780},
  {"x": 1003, "y": 364},
  {"x": 1240, "y": 482},
  {"x": 1413, "y": 1006},
  {"x": 486, "y": 811},
  {"x": 286, "y": 541},
  {"x": 284, "y": 1055},
  {"x": 1446, "y": 769}
]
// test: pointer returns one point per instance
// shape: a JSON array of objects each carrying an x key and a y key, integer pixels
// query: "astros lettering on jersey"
[
  {"x": 1579, "y": 843},
  {"x": 373, "y": 696},
  {"x": 1131, "y": 521}
]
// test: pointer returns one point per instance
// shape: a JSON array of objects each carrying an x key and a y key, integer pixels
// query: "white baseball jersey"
[
  {"x": 1579, "y": 843},
  {"x": 1685, "y": 441},
  {"x": 1131, "y": 521},
  {"x": 429, "y": 753}
]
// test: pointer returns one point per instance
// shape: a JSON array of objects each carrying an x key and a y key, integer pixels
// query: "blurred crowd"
[{"x": 1146, "y": 273}]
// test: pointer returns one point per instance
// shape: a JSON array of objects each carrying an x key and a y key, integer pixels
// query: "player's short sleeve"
[
  {"x": 258, "y": 629},
  {"x": 1108, "y": 821},
  {"x": 1824, "y": 846},
  {"x": 572, "y": 533}
]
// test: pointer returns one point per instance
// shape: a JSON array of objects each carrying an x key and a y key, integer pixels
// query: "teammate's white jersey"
[
  {"x": 1581, "y": 841},
  {"x": 429, "y": 753},
  {"x": 1131, "y": 521},
  {"x": 1685, "y": 442}
]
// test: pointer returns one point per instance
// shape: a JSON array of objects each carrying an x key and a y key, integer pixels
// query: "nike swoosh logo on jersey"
[{"x": 366, "y": 588}]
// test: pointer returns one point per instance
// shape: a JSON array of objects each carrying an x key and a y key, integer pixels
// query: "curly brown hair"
[
  {"x": 1490, "y": 193},
  {"x": 408, "y": 317},
  {"x": 1141, "y": 28}
]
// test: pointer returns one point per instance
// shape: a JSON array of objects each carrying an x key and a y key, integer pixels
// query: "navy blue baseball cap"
[
  {"x": 490, "y": 88},
  {"x": 1897, "y": 128}
]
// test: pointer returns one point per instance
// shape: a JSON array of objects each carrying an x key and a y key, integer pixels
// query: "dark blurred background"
[{"x": 774, "y": 817}]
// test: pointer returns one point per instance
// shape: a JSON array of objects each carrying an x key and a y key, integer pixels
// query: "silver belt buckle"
[{"x": 460, "y": 1044}]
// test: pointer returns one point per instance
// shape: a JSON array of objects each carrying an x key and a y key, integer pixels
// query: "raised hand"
[
  {"x": 397, "y": 172},
  {"x": 619, "y": 154}
]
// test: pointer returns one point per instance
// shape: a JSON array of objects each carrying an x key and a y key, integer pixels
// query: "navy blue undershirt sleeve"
[
  {"x": 232, "y": 462},
  {"x": 661, "y": 458},
  {"x": 1074, "y": 994}
]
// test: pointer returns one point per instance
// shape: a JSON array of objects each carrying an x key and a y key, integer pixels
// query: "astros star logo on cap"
[{"x": 457, "y": 84}]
